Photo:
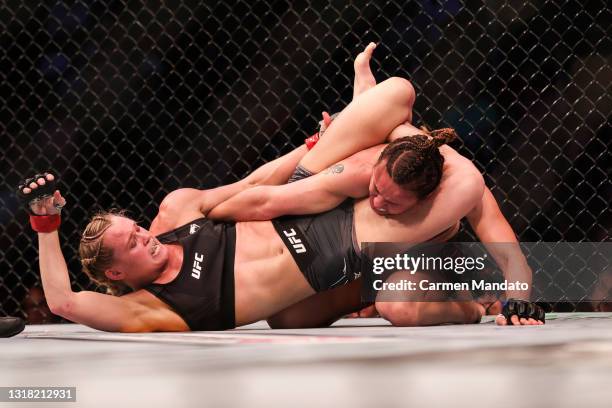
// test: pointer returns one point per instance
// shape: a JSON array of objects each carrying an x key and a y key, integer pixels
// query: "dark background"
[{"x": 128, "y": 103}]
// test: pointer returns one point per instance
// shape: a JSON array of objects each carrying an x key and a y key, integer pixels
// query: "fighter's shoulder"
[
  {"x": 454, "y": 162},
  {"x": 177, "y": 208},
  {"x": 451, "y": 154},
  {"x": 463, "y": 172}
]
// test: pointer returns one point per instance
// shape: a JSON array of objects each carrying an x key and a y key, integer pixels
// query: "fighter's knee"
[
  {"x": 402, "y": 89},
  {"x": 291, "y": 321},
  {"x": 283, "y": 320},
  {"x": 399, "y": 313},
  {"x": 277, "y": 322}
]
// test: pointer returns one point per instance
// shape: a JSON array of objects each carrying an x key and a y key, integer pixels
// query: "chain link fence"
[{"x": 128, "y": 102}]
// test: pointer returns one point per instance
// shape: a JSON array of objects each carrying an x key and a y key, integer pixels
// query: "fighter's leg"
[
  {"x": 280, "y": 169},
  {"x": 395, "y": 94},
  {"x": 424, "y": 307},
  {"x": 321, "y": 309},
  {"x": 430, "y": 313},
  {"x": 364, "y": 79},
  {"x": 364, "y": 123}
]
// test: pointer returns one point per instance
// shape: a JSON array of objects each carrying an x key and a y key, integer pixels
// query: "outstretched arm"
[
  {"x": 271, "y": 173},
  {"x": 494, "y": 231},
  {"x": 186, "y": 204},
  {"x": 120, "y": 314},
  {"x": 267, "y": 202},
  {"x": 311, "y": 195}
]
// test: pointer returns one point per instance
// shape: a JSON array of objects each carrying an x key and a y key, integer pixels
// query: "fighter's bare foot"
[{"x": 364, "y": 79}]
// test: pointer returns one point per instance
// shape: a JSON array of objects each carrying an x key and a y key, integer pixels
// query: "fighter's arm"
[
  {"x": 314, "y": 194},
  {"x": 185, "y": 204},
  {"x": 308, "y": 196},
  {"x": 275, "y": 172},
  {"x": 494, "y": 231},
  {"x": 120, "y": 314}
]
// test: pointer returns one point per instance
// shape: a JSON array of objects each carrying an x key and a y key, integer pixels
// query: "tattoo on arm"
[{"x": 335, "y": 169}]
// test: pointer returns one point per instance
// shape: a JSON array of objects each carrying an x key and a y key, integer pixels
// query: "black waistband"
[{"x": 229, "y": 295}]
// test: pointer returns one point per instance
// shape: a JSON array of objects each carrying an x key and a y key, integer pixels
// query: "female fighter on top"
[
  {"x": 214, "y": 276},
  {"x": 396, "y": 177}
]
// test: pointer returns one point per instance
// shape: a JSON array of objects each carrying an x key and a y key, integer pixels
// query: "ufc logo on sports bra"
[
  {"x": 296, "y": 243},
  {"x": 195, "y": 271}
]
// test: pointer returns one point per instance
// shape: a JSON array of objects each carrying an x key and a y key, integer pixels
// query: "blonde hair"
[{"x": 96, "y": 258}]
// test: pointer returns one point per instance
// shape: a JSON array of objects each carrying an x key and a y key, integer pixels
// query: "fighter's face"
[
  {"x": 386, "y": 197},
  {"x": 138, "y": 257}
]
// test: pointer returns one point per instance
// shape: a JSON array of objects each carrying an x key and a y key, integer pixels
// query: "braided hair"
[
  {"x": 96, "y": 259},
  {"x": 414, "y": 162}
]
